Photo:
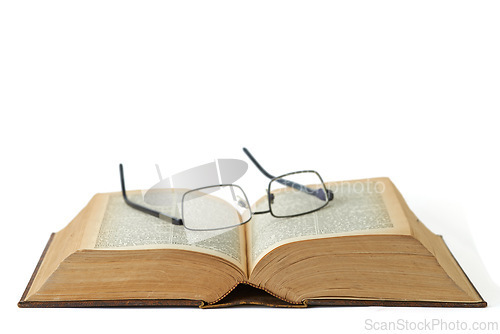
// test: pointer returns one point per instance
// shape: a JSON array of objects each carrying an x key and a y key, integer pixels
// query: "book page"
[
  {"x": 359, "y": 207},
  {"x": 123, "y": 227}
]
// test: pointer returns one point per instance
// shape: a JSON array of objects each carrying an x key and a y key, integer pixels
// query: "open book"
[{"x": 364, "y": 248}]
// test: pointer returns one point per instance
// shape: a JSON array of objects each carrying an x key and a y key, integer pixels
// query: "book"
[{"x": 364, "y": 248}]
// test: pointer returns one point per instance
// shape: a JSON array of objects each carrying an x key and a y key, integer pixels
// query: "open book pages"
[
  {"x": 123, "y": 227},
  {"x": 359, "y": 207}
]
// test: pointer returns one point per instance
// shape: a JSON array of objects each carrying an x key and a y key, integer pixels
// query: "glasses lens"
[
  {"x": 297, "y": 193},
  {"x": 215, "y": 207}
]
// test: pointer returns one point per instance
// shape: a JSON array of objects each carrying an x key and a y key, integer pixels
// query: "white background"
[{"x": 356, "y": 89}]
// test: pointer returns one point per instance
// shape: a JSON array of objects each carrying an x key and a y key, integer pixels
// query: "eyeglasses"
[{"x": 224, "y": 206}]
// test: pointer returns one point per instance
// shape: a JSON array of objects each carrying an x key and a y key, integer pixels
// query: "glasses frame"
[
  {"x": 218, "y": 228},
  {"x": 270, "y": 197}
]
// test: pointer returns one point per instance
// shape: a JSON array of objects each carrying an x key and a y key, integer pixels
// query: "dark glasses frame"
[
  {"x": 319, "y": 193},
  {"x": 323, "y": 194}
]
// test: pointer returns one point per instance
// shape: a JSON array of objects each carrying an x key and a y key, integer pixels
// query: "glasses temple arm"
[
  {"x": 287, "y": 183},
  {"x": 262, "y": 170},
  {"x": 319, "y": 193},
  {"x": 162, "y": 216}
]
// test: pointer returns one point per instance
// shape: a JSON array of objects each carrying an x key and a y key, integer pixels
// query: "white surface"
[{"x": 357, "y": 89}]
